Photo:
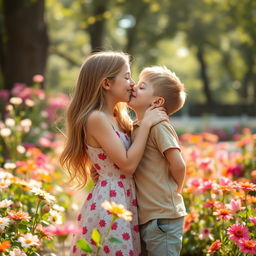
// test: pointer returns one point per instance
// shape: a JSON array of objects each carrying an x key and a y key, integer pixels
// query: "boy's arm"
[{"x": 177, "y": 166}]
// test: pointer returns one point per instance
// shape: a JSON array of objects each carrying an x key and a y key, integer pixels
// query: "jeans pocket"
[{"x": 161, "y": 225}]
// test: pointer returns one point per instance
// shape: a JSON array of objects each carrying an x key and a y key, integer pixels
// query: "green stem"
[{"x": 35, "y": 219}]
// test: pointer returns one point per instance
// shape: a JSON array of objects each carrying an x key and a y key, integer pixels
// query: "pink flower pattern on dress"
[{"x": 119, "y": 187}]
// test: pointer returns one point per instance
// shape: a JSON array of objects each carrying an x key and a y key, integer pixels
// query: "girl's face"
[
  {"x": 122, "y": 85},
  {"x": 142, "y": 96}
]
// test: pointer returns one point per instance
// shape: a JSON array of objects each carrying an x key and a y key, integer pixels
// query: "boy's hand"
[{"x": 94, "y": 175}]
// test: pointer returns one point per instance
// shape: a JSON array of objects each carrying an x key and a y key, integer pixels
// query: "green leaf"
[
  {"x": 96, "y": 236},
  {"x": 34, "y": 254},
  {"x": 114, "y": 240},
  {"x": 84, "y": 245}
]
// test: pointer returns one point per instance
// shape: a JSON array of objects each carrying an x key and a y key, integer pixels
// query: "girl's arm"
[
  {"x": 99, "y": 127},
  {"x": 177, "y": 166}
]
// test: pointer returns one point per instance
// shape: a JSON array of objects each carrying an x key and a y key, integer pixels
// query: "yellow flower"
[{"x": 117, "y": 210}]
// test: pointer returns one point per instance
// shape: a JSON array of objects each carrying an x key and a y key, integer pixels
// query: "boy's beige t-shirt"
[{"x": 156, "y": 190}]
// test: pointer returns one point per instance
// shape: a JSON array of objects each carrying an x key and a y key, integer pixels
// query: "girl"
[{"x": 98, "y": 129}]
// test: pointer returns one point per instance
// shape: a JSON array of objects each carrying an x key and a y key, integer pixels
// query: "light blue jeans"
[{"x": 162, "y": 237}]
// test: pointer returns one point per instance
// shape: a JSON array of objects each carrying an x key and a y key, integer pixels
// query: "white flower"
[
  {"x": 26, "y": 124},
  {"x": 17, "y": 252},
  {"x": 58, "y": 208},
  {"x": 55, "y": 217},
  {"x": 5, "y": 132},
  {"x": 4, "y": 222},
  {"x": 5, "y": 203},
  {"x": 10, "y": 122},
  {"x": 29, "y": 103},
  {"x": 4, "y": 183},
  {"x": 15, "y": 100},
  {"x": 28, "y": 240},
  {"x": 9, "y": 108},
  {"x": 21, "y": 149},
  {"x": 43, "y": 194},
  {"x": 9, "y": 166}
]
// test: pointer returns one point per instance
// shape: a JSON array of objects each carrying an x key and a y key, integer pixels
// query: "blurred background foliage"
[{"x": 210, "y": 44}]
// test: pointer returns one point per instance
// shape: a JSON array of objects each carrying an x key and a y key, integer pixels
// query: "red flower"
[
  {"x": 97, "y": 167},
  {"x": 102, "y": 223},
  {"x": 128, "y": 192},
  {"x": 102, "y": 156},
  {"x": 84, "y": 230},
  {"x": 92, "y": 242},
  {"x": 112, "y": 193},
  {"x": 120, "y": 184},
  {"x": 74, "y": 249},
  {"x": 104, "y": 183},
  {"x": 79, "y": 217},
  {"x": 134, "y": 202},
  {"x": 131, "y": 253},
  {"x": 114, "y": 226},
  {"x": 136, "y": 228},
  {"x": 126, "y": 236},
  {"x": 119, "y": 253},
  {"x": 106, "y": 249},
  {"x": 89, "y": 197},
  {"x": 122, "y": 176},
  {"x": 93, "y": 206}
]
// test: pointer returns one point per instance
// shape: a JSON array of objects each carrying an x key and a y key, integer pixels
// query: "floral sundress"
[{"x": 113, "y": 185}]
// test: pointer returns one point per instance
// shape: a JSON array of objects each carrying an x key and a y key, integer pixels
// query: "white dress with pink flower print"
[{"x": 113, "y": 185}]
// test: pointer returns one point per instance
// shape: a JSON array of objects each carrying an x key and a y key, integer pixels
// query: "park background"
[{"x": 209, "y": 44}]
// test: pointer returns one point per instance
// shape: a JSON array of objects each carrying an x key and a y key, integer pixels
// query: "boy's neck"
[{"x": 139, "y": 115}]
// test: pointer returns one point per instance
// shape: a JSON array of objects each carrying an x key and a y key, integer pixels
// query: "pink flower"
[
  {"x": 237, "y": 232},
  {"x": 38, "y": 78},
  {"x": 62, "y": 230},
  {"x": 248, "y": 246},
  {"x": 79, "y": 217},
  {"x": 225, "y": 181},
  {"x": 93, "y": 206},
  {"x": 253, "y": 219},
  {"x": 235, "y": 171},
  {"x": 235, "y": 206},
  {"x": 84, "y": 230},
  {"x": 136, "y": 228},
  {"x": 4, "y": 94},
  {"x": 206, "y": 186},
  {"x": 205, "y": 234}
]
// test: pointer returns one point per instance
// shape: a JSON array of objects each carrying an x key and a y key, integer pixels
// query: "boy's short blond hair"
[{"x": 167, "y": 85}]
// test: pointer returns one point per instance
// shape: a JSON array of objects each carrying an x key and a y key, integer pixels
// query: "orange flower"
[
  {"x": 188, "y": 221},
  {"x": 246, "y": 186},
  {"x": 223, "y": 214},
  {"x": 4, "y": 246},
  {"x": 214, "y": 247},
  {"x": 117, "y": 210},
  {"x": 19, "y": 215},
  {"x": 210, "y": 137}
]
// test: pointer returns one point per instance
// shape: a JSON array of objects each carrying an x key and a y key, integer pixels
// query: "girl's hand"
[
  {"x": 94, "y": 175},
  {"x": 154, "y": 116}
]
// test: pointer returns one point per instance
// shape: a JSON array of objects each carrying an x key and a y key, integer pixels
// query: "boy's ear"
[
  {"x": 105, "y": 84},
  {"x": 158, "y": 102}
]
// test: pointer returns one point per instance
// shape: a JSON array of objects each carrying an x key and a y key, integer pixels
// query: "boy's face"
[{"x": 142, "y": 96}]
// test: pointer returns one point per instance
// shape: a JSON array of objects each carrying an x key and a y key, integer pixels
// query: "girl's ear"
[
  {"x": 158, "y": 102},
  {"x": 105, "y": 84}
]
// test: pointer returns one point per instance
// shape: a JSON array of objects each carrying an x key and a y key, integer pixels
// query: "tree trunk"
[
  {"x": 96, "y": 30},
  {"x": 27, "y": 41},
  {"x": 204, "y": 77}
]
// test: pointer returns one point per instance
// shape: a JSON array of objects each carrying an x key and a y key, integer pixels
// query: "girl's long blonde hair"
[{"x": 88, "y": 96}]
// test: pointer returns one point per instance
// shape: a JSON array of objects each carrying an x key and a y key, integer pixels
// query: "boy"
[{"x": 160, "y": 174}]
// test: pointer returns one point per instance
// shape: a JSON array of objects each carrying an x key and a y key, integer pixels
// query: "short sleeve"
[{"x": 164, "y": 136}]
